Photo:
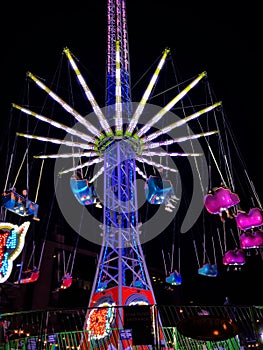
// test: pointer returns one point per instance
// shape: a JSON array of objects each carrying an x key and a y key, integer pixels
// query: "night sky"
[{"x": 223, "y": 41}]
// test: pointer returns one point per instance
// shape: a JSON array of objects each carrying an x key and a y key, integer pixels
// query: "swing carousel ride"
[{"x": 140, "y": 169}]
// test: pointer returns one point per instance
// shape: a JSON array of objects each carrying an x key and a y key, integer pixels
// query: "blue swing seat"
[
  {"x": 157, "y": 189},
  {"x": 174, "y": 279},
  {"x": 208, "y": 270},
  {"x": 16, "y": 203},
  {"x": 102, "y": 286},
  {"x": 83, "y": 192}
]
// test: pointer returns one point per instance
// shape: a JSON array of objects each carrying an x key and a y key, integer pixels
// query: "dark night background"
[{"x": 225, "y": 42}]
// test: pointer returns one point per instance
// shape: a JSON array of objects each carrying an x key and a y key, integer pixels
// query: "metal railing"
[{"x": 119, "y": 328}]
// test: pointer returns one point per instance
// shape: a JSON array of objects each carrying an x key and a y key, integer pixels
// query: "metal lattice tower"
[{"x": 121, "y": 263}]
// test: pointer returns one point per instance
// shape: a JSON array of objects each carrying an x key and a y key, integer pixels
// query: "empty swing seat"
[
  {"x": 250, "y": 240},
  {"x": 208, "y": 270},
  {"x": 28, "y": 277},
  {"x": 234, "y": 257},
  {"x": 174, "y": 278},
  {"x": 138, "y": 284},
  {"x": 157, "y": 189},
  {"x": 102, "y": 286},
  {"x": 66, "y": 281},
  {"x": 83, "y": 192},
  {"x": 246, "y": 221}
]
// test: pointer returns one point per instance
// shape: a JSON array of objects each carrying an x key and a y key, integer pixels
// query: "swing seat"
[
  {"x": 102, "y": 286},
  {"x": 208, "y": 270},
  {"x": 16, "y": 203},
  {"x": 221, "y": 200},
  {"x": 174, "y": 278},
  {"x": 234, "y": 257},
  {"x": 138, "y": 284},
  {"x": 157, "y": 189},
  {"x": 251, "y": 240},
  {"x": 246, "y": 221},
  {"x": 66, "y": 282},
  {"x": 83, "y": 192},
  {"x": 28, "y": 277}
]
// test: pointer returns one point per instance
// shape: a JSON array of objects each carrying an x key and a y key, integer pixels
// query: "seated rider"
[
  {"x": 28, "y": 273},
  {"x": 9, "y": 198},
  {"x": 31, "y": 207}
]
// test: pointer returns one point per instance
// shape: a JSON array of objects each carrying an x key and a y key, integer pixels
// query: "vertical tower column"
[
  {"x": 121, "y": 278},
  {"x": 121, "y": 262}
]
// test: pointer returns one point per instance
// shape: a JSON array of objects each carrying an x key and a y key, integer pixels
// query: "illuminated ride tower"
[
  {"x": 122, "y": 281},
  {"x": 122, "y": 277},
  {"x": 121, "y": 268}
]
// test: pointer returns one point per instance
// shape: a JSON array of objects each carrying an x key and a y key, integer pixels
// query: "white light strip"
[
  {"x": 139, "y": 171},
  {"x": 67, "y": 108},
  {"x": 98, "y": 173},
  {"x": 56, "y": 124},
  {"x": 167, "y": 108},
  {"x": 57, "y": 141},
  {"x": 68, "y": 155},
  {"x": 178, "y": 140},
  {"x": 118, "y": 106},
  {"x": 172, "y": 154},
  {"x": 157, "y": 165},
  {"x": 91, "y": 162},
  {"x": 146, "y": 94},
  {"x": 103, "y": 121},
  {"x": 180, "y": 122}
]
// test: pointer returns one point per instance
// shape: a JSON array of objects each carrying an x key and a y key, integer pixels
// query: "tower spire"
[{"x": 117, "y": 32}]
